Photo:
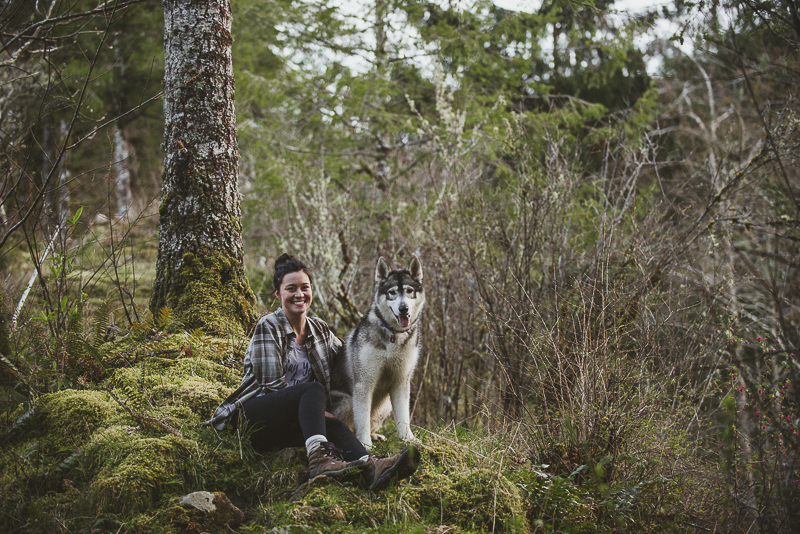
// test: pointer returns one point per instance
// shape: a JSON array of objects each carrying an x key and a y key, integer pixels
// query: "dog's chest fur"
[{"x": 374, "y": 352}]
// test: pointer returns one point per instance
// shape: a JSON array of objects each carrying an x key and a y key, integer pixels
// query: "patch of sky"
[
  {"x": 355, "y": 50},
  {"x": 623, "y": 9}
]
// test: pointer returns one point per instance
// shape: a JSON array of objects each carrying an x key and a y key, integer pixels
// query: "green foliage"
[
  {"x": 122, "y": 447},
  {"x": 759, "y": 426},
  {"x": 137, "y": 481}
]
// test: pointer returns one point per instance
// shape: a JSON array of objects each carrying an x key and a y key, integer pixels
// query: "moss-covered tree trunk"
[{"x": 200, "y": 271}]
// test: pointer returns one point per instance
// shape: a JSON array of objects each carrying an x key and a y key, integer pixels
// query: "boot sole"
[{"x": 352, "y": 468}]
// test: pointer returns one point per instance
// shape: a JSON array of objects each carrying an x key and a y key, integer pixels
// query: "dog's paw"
[
  {"x": 377, "y": 437},
  {"x": 412, "y": 439}
]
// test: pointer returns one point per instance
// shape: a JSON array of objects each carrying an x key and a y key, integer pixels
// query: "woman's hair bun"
[{"x": 283, "y": 258}]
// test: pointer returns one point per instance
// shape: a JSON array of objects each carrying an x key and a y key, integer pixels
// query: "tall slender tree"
[{"x": 200, "y": 270}]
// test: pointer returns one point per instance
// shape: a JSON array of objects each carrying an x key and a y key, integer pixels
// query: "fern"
[
  {"x": 164, "y": 318},
  {"x": 136, "y": 396},
  {"x": 76, "y": 345},
  {"x": 79, "y": 345},
  {"x": 7, "y": 368},
  {"x": 100, "y": 325},
  {"x": 197, "y": 334},
  {"x": 139, "y": 330}
]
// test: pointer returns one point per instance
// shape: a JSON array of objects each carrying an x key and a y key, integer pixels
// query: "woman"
[{"x": 286, "y": 386}]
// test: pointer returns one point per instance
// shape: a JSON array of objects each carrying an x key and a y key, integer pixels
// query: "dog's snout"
[{"x": 403, "y": 309}]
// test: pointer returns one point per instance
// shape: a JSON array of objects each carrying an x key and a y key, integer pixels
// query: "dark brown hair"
[{"x": 285, "y": 264}]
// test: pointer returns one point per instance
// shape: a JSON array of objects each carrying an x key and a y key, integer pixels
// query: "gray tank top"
[{"x": 298, "y": 369}]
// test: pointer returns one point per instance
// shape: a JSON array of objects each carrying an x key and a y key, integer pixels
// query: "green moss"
[
  {"x": 37, "y": 469},
  {"x": 99, "y": 466},
  {"x": 71, "y": 416},
  {"x": 452, "y": 486},
  {"x": 235, "y": 222},
  {"x": 479, "y": 500},
  {"x": 192, "y": 384},
  {"x": 138, "y": 480},
  {"x": 211, "y": 292},
  {"x": 164, "y": 204},
  {"x": 109, "y": 445}
]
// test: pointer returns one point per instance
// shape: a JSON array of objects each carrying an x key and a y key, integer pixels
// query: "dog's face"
[{"x": 400, "y": 295}]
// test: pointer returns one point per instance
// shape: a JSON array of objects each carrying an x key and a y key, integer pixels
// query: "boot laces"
[{"x": 334, "y": 452}]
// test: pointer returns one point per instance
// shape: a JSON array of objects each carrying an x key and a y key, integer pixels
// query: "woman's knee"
[
  {"x": 312, "y": 392},
  {"x": 313, "y": 388}
]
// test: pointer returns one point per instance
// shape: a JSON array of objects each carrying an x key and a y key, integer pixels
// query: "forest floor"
[
  {"x": 119, "y": 452},
  {"x": 114, "y": 440}
]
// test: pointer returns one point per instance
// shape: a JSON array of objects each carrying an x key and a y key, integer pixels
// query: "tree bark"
[
  {"x": 122, "y": 184},
  {"x": 64, "y": 199},
  {"x": 200, "y": 270},
  {"x": 48, "y": 157}
]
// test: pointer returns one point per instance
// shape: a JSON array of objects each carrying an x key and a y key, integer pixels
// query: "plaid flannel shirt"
[{"x": 266, "y": 357}]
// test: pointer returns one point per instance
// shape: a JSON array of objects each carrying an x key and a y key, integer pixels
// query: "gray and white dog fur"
[{"x": 373, "y": 377}]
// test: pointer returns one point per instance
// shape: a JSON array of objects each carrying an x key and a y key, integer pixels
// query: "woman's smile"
[{"x": 295, "y": 293}]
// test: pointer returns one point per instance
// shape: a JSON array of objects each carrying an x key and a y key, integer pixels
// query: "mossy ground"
[{"x": 117, "y": 457}]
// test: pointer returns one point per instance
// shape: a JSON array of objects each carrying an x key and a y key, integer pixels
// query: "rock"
[
  {"x": 287, "y": 455},
  {"x": 216, "y": 510},
  {"x": 200, "y": 500},
  {"x": 227, "y": 513}
]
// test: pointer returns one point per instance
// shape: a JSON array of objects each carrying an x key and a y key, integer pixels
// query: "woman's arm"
[{"x": 263, "y": 356}]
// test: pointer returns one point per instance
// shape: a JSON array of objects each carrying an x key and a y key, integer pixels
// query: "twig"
[
  {"x": 142, "y": 419},
  {"x": 63, "y": 150},
  {"x": 767, "y": 131},
  {"x": 33, "y": 278}
]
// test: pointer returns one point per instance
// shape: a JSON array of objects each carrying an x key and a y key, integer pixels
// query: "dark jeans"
[{"x": 287, "y": 417}]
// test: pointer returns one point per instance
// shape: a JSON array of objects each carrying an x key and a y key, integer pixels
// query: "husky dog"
[{"x": 374, "y": 375}]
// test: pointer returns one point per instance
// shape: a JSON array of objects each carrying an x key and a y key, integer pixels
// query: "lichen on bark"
[{"x": 200, "y": 271}]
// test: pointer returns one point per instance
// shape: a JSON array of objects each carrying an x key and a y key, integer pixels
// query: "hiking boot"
[
  {"x": 379, "y": 471},
  {"x": 326, "y": 461}
]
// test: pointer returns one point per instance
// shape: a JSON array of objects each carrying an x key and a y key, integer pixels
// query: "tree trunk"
[
  {"x": 200, "y": 271},
  {"x": 64, "y": 201},
  {"x": 122, "y": 156},
  {"x": 48, "y": 157}
]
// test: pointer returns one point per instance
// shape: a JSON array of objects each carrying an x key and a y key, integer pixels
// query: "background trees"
[{"x": 608, "y": 227}]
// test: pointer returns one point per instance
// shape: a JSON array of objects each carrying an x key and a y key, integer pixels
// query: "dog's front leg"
[
  {"x": 362, "y": 403},
  {"x": 401, "y": 395}
]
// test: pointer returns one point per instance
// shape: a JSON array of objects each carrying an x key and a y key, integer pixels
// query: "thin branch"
[
  {"x": 770, "y": 138},
  {"x": 37, "y": 26},
  {"x": 63, "y": 149}
]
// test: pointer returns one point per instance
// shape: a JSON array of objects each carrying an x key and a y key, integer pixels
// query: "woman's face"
[{"x": 295, "y": 293}]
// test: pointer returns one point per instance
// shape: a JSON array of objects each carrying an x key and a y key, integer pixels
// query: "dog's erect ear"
[
  {"x": 381, "y": 270},
  {"x": 415, "y": 268}
]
